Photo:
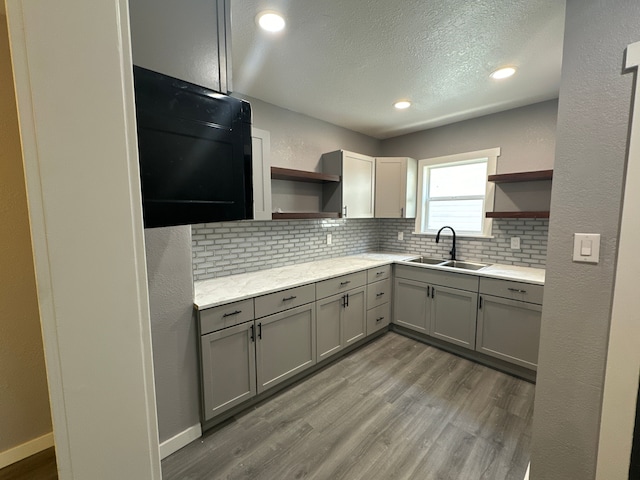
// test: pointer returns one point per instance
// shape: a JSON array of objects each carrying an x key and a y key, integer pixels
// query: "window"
[{"x": 454, "y": 191}]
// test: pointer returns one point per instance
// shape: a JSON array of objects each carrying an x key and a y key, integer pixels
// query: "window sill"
[{"x": 458, "y": 235}]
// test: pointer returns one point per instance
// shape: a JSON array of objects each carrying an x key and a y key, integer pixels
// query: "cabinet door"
[
  {"x": 261, "y": 158},
  {"x": 453, "y": 316},
  {"x": 354, "y": 316},
  {"x": 509, "y": 330},
  {"x": 185, "y": 40},
  {"x": 391, "y": 187},
  {"x": 286, "y": 345},
  {"x": 411, "y": 304},
  {"x": 329, "y": 326},
  {"x": 358, "y": 180},
  {"x": 228, "y": 368},
  {"x": 378, "y": 318}
]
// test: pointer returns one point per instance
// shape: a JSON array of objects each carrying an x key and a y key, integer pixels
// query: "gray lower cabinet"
[
  {"x": 412, "y": 305},
  {"x": 509, "y": 330},
  {"x": 453, "y": 315},
  {"x": 228, "y": 368},
  {"x": 341, "y": 321},
  {"x": 285, "y": 345}
]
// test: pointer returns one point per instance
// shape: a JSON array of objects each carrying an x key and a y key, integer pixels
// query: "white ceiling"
[{"x": 348, "y": 61}]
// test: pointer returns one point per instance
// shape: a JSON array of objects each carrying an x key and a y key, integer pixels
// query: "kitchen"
[{"x": 595, "y": 229}]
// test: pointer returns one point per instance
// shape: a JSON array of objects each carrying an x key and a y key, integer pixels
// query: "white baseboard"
[
  {"x": 25, "y": 450},
  {"x": 180, "y": 440},
  {"x": 526, "y": 475}
]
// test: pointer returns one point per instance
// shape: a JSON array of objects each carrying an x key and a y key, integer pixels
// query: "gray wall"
[
  {"x": 592, "y": 130},
  {"x": 24, "y": 394},
  {"x": 298, "y": 141},
  {"x": 526, "y": 136},
  {"x": 173, "y": 328}
]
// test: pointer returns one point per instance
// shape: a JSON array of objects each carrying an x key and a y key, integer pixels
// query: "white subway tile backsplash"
[{"x": 221, "y": 249}]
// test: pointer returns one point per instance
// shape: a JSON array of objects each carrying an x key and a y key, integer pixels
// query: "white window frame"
[{"x": 490, "y": 154}]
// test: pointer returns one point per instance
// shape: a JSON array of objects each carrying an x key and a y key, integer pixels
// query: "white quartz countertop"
[{"x": 218, "y": 291}]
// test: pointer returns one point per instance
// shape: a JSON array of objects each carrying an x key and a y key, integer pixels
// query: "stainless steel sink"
[
  {"x": 463, "y": 265},
  {"x": 429, "y": 261}
]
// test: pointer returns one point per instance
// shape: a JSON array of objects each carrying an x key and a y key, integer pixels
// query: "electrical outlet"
[
  {"x": 515, "y": 243},
  {"x": 329, "y": 239},
  {"x": 400, "y": 235}
]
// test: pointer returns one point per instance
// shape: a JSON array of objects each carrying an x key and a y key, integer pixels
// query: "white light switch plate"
[
  {"x": 400, "y": 235},
  {"x": 329, "y": 239},
  {"x": 586, "y": 247},
  {"x": 515, "y": 243}
]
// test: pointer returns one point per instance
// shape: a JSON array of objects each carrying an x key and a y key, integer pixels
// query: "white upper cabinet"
[
  {"x": 188, "y": 40},
  {"x": 396, "y": 185},
  {"x": 354, "y": 195},
  {"x": 261, "y": 159}
]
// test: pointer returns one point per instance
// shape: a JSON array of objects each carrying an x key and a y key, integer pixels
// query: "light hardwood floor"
[
  {"x": 395, "y": 409},
  {"x": 41, "y": 466}
]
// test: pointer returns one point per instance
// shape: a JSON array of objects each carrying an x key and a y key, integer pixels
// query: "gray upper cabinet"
[
  {"x": 189, "y": 40},
  {"x": 396, "y": 185},
  {"x": 453, "y": 315},
  {"x": 353, "y": 196},
  {"x": 228, "y": 368},
  {"x": 285, "y": 345}
]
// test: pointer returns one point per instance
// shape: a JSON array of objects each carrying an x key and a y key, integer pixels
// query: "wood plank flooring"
[
  {"x": 395, "y": 409},
  {"x": 41, "y": 466}
]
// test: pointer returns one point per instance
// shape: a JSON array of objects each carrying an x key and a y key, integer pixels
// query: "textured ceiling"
[{"x": 348, "y": 61}]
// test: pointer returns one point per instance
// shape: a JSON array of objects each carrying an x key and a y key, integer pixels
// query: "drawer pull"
[
  {"x": 379, "y": 319},
  {"x": 517, "y": 290},
  {"x": 289, "y": 298},
  {"x": 231, "y": 314},
  {"x": 260, "y": 331},
  {"x": 379, "y": 273},
  {"x": 345, "y": 283},
  {"x": 379, "y": 294}
]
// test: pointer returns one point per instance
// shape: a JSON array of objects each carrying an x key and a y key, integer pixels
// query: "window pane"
[
  {"x": 458, "y": 180},
  {"x": 462, "y": 215}
]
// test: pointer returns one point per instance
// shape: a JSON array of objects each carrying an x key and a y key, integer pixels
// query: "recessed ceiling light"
[
  {"x": 271, "y": 21},
  {"x": 504, "y": 72},
  {"x": 402, "y": 104}
]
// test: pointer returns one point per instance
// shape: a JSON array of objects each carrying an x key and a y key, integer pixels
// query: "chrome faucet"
[{"x": 453, "y": 250}]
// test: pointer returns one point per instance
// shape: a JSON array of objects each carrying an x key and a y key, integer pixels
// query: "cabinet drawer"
[
  {"x": 525, "y": 292},
  {"x": 284, "y": 300},
  {"x": 378, "y": 293},
  {"x": 326, "y": 288},
  {"x": 217, "y": 318},
  {"x": 378, "y": 318},
  {"x": 377, "y": 274},
  {"x": 462, "y": 281}
]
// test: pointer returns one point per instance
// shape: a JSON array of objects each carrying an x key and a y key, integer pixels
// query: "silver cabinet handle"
[
  {"x": 517, "y": 290},
  {"x": 231, "y": 314},
  {"x": 289, "y": 298}
]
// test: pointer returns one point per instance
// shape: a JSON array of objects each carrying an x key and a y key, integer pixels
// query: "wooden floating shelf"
[
  {"x": 521, "y": 177},
  {"x": 544, "y": 214},
  {"x": 303, "y": 215},
  {"x": 278, "y": 173}
]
